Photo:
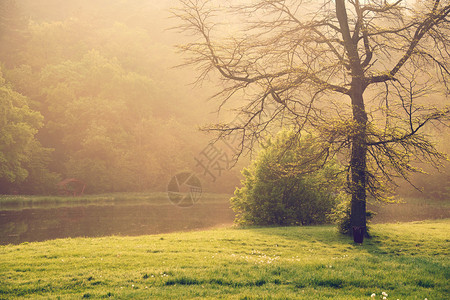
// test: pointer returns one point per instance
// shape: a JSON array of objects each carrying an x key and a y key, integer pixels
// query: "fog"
[
  {"x": 101, "y": 100},
  {"x": 105, "y": 101}
]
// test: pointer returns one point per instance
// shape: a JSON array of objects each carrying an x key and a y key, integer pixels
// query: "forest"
[{"x": 90, "y": 90}]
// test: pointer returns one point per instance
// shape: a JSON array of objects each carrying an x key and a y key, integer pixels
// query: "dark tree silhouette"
[{"x": 359, "y": 74}]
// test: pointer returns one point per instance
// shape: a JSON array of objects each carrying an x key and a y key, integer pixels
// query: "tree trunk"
[
  {"x": 358, "y": 164},
  {"x": 359, "y": 145}
]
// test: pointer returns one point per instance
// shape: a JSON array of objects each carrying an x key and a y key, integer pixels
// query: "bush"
[
  {"x": 341, "y": 216},
  {"x": 289, "y": 183}
]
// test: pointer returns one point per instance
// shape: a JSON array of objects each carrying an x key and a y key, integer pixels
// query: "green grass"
[
  {"x": 13, "y": 202},
  {"x": 405, "y": 260}
]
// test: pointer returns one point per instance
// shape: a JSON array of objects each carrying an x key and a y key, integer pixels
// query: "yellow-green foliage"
[
  {"x": 406, "y": 261},
  {"x": 291, "y": 182}
]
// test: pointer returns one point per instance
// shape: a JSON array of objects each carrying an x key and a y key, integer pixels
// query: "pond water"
[
  {"x": 24, "y": 223},
  {"x": 408, "y": 212},
  {"x": 40, "y": 224}
]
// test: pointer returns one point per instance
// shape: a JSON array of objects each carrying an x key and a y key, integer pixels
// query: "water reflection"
[
  {"x": 21, "y": 223},
  {"x": 28, "y": 225}
]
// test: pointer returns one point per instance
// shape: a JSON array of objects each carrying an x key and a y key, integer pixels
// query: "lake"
[
  {"x": 25, "y": 221},
  {"x": 40, "y": 224}
]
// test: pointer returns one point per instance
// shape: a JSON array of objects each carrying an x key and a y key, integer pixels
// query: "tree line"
[{"x": 87, "y": 92}]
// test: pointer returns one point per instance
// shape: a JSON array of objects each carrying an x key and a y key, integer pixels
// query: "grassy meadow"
[{"x": 404, "y": 260}]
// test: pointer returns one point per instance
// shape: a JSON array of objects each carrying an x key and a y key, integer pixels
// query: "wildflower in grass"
[
  {"x": 384, "y": 294},
  {"x": 373, "y": 295}
]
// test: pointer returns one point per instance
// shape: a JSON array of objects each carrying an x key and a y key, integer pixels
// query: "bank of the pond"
[
  {"x": 410, "y": 209},
  {"x": 19, "y": 202},
  {"x": 406, "y": 261},
  {"x": 39, "y": 220}
]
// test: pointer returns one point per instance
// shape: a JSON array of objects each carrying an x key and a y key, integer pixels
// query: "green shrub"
[
  {"x": 341, "y": 216},
  {"x": 291, "y": 182}
]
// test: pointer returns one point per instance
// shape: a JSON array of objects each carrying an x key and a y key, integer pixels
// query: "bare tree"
[{"x": 365, "y": 75}]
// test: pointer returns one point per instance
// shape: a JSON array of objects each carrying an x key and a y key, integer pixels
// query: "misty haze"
[{"x": 244, "y": 149}]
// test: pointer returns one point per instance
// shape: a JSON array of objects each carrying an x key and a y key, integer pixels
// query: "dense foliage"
[
  {"x": 23, "y": 160},
  {"x": 288, "y": 184},
  {"x": 88, "y": 92}
]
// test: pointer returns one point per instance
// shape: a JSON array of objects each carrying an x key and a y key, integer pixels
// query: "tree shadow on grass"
[
  {"x": 386, "y": 262},
  {"x": 394, "y": 239}
]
